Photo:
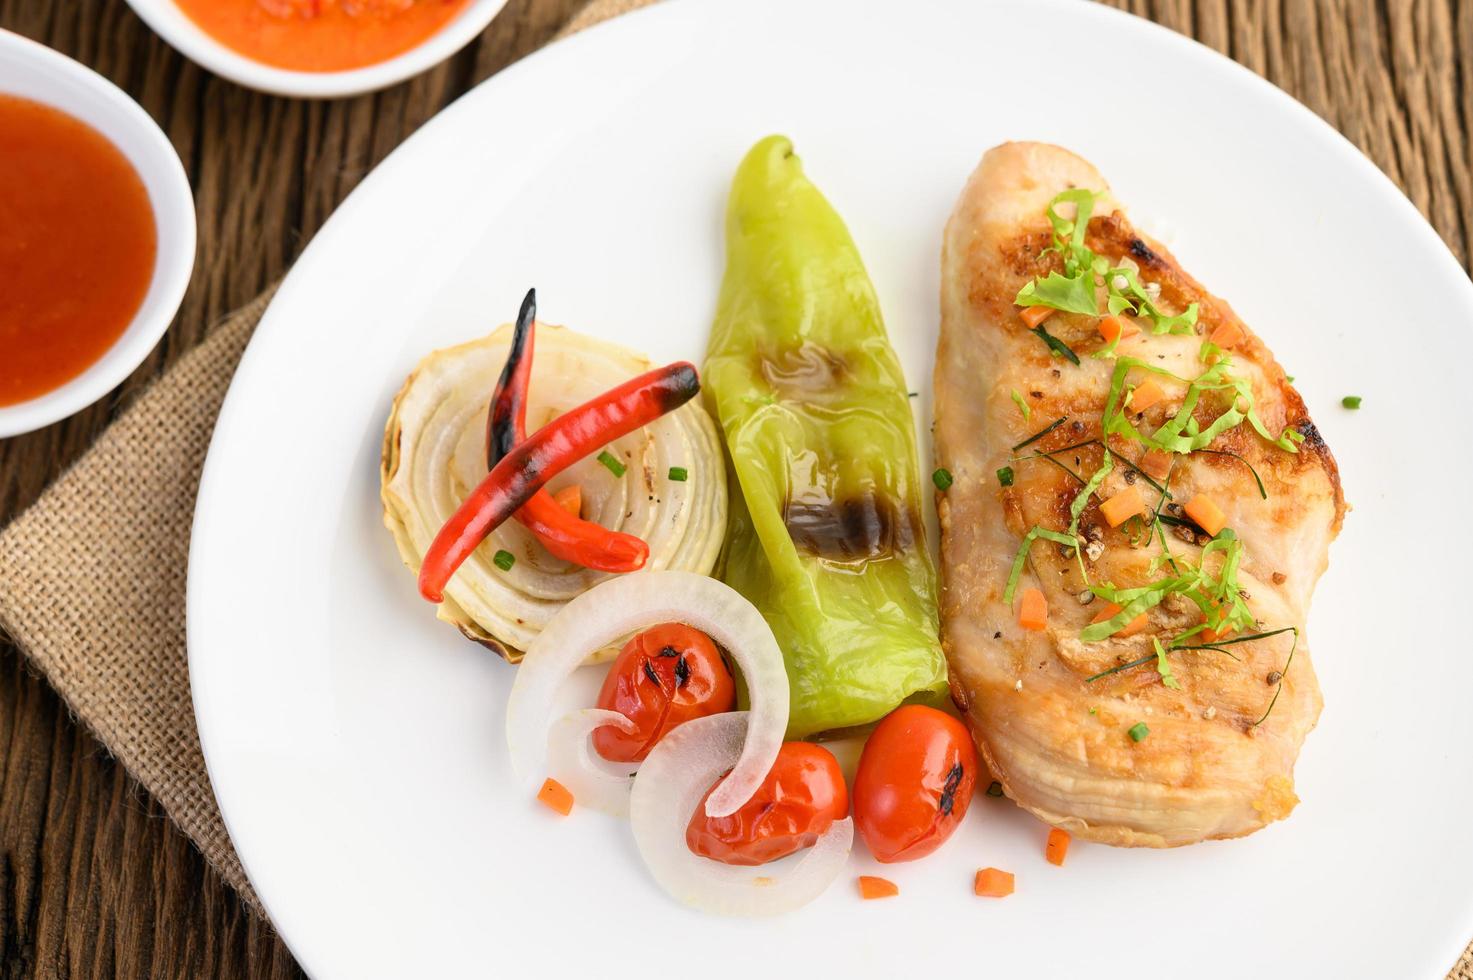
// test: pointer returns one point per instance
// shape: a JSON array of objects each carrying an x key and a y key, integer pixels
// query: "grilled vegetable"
[{"x": 825, "y": 532}]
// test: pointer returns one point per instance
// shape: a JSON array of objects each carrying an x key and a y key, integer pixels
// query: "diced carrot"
[
  {"x": 1123, "y": 506},
  {"x": 1131, "y": 628},
  {"x": 1206, "y": 513},
  {"x": 1229, "y": 333},
  {"x": 1057, "y": 847},
  {"x": 1146, "y": 394},
  {"x": 570, "y": 499},
  {"x": 992, "y": 883},
  {"x": 1210, "y": 635},
  {"x": 1155, "y": 463},
  {"x": 873, "y": 887},
  {"x": 555, "y": 795},
  {"x": 1034, "y": 315},
  {"x": 1113, "y": 328},
  {"x": 1033, "y": 610}
]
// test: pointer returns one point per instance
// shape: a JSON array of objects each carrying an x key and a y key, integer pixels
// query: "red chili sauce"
[
  {"x": 321, "y": 35},
  {"x": 77, "y": 247}
]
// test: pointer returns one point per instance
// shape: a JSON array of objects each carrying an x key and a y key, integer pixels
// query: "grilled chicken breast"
[{"x": 1121, "y": 758}]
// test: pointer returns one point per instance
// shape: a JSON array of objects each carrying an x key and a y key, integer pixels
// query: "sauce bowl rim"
[
  {"x": 30, "y": 70},
  {"x": 167, "y": 20}
]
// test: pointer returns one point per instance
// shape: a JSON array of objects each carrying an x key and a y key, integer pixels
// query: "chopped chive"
[
  {"x": 1262, "y": 491},
  {"x": 1119, "y": 668},
  {"x": 994, "y": 789},
  {"x": 1351, "y": 401},
  {"x": 1138, "y": 732},
  {"x": 942, "y": 478},
  {"x": 504, "y": 560},
  {"x": 912, "y": 394},
  {"x": 1289, "y": 378},
  {"x": 612, "y": 462},
  {"x": 1056, "y": 345},
  {"x": 679, "y": 474},
  {"x": 1005, "y": 476},
  {"x": 1022, "y": 406},
  {"x": 1042, "y": 432}
]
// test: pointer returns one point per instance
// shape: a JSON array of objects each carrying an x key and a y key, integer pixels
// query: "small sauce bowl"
[
  {"x": 175, "y": 27},
  {"x": 32, "y": 71}
]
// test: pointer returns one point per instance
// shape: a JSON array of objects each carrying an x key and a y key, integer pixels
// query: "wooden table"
[{"x": 94, "y": 880}]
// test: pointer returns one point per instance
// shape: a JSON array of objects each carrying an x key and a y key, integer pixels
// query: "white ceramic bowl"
[
  {"x": 33, "y": 71},
  {"x": 171, "y": 23}
]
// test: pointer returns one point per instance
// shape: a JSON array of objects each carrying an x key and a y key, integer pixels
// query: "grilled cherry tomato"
[
  {"x": 914, "y": 783},
  {"x": 800, "y": 799},
  {"x": 663, "y": 677}
]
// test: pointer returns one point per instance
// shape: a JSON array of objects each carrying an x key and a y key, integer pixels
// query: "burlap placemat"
[{"x": 95, "y": 572}]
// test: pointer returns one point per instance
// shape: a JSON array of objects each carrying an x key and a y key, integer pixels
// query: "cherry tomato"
[
  {"x": 798, "y": 801},
  {"x": 914, "y": 783},
  {"x": 663, "y": 677}
]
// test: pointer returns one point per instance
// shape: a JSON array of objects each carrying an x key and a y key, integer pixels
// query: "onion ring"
[
  {"x": 594, "y": 782},
  {"x": 667, "y": 790},
  {"x": 618, "y": 607}
]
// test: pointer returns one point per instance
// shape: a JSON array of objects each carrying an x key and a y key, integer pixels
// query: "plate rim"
[{"x": 548, "y": 58}]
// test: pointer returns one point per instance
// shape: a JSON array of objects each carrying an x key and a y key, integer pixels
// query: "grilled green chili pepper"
[{"x": 825, "y": 535}]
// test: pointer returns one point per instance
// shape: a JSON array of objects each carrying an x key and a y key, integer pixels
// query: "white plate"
[{"x": 356, "y": 745}]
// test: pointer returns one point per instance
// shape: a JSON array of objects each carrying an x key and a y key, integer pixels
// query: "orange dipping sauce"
[
  {"x": 77, "y": 247},
  {"x": 321, "y": 35}
]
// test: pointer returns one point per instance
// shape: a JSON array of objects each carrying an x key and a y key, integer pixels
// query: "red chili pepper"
[
  {"x": 546, "y": 453},
  {"x": 561, "y": 533}
]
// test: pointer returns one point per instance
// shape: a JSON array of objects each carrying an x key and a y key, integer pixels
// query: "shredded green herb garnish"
[
  {"x": 1021, "y": 558},
  {"x": 1056, "y": 345},
  {"x": 1022, "y": 405},
  {"x": 1351, "y": 401},
  {"x": 1182, "y": 433},
  {"x": 1005, "y": 476},
  {"x": 1073, "y": 291},
  {"x": 1217, "y": 594},
  {"x": 504, "y": 560},
  {"x": 1081, "y": 499},
  {"x": 1072, "y": 295},
  {"x": 679, "y": 474},
  {"x": 1163, "y": 668},
  {"x": 611, "y": 462},
  {"x": 1138, "y": 732},
  {"x": 1042, "y": 432},
  {"x": 1131, "y": 297}
]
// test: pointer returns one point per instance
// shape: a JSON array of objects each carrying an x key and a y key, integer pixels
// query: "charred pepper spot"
[
  {"x": 859, "y": 528},
  {"x": 669, "y": 652},
  {"x": 649, "y": 672},
  {"x": 682, "y": 672}
]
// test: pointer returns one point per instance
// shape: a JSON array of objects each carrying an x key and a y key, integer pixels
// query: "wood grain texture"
[{"x": 94, "y": 881}]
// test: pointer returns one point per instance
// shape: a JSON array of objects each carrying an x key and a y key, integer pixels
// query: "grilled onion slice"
[{"x": 434, "y": 453}]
